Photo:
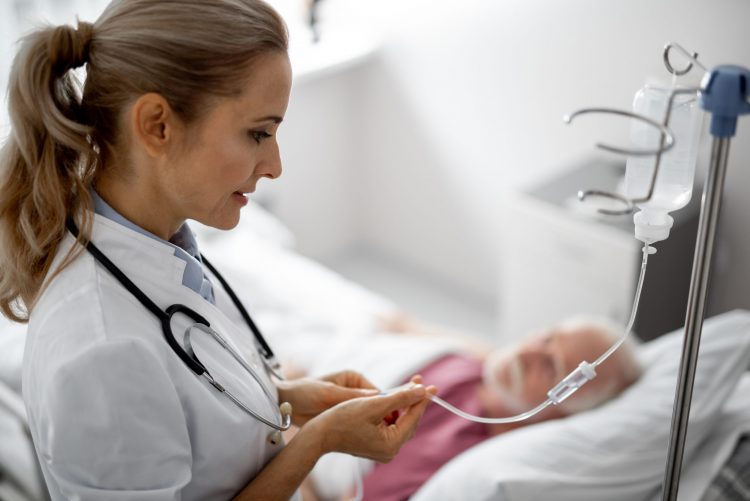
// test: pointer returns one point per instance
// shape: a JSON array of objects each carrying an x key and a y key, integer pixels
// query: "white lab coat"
[{"x": 114, "y": 413}]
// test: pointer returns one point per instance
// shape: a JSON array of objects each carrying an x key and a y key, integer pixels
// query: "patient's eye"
[{"x": 548, "y": 365}]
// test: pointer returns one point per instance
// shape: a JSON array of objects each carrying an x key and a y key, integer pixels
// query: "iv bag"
[{"x": 674, "y": 183}]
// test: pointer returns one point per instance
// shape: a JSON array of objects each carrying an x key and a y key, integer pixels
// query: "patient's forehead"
[{"x": 573, "y": 344}]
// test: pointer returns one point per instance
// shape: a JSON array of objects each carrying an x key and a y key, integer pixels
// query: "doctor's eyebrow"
[{"x": 270, "y": 118}]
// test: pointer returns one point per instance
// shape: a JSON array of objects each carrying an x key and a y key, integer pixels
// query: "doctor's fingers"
[
  {"x": 402, "y": 399},
  {"x": 394, "y": 436},
  {"x": 349, "y": 379},
  {"x": 358, "y": 427},
  {"x": 338, "y": 394},
  {"x": 407, "y": 422}
]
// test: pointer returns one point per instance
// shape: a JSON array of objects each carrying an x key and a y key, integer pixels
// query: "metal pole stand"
[{"x": 724, "y": 93}]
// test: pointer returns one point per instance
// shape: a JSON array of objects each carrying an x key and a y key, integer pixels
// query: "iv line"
[
  {"x": 647, "y": 249},
  {"x": 581, "y": 375},
  {"x": 477, "y": 419},
  {"x": 584, "y": 373}
]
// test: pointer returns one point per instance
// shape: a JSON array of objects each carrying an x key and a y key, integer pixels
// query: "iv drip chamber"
[{"x": 652, "y": 225}]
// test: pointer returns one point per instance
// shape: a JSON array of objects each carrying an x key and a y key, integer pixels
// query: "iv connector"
[{"x": 584, "y": 373}]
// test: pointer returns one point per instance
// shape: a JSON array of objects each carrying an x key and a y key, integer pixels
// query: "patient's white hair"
[{"x": 629, "y": 370}]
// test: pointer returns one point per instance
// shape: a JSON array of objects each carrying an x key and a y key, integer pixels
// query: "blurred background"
[{"x": 425, "y": 156}]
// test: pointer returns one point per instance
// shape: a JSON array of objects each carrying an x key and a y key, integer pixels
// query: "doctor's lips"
[{"x": 240, "y": 197}]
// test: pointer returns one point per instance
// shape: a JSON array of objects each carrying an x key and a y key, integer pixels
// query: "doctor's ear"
[{"x": 154, "y": 124}]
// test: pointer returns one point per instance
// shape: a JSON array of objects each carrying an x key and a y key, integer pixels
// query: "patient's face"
[{"x": 523, "y": 374}]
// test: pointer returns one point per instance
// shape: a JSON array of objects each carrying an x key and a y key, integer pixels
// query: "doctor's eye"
[{"x": 259, "y": 135}]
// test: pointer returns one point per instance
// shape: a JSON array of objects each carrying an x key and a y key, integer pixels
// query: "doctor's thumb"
[{"x": 403, "y": 398}]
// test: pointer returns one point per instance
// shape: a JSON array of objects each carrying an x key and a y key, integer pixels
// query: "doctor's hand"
[
  {"x": 360, "y": 426},
  {"x": 310, "y": 396}
]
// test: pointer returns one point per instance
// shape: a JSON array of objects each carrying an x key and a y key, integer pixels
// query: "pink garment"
[{"x": 441, "y": 435}]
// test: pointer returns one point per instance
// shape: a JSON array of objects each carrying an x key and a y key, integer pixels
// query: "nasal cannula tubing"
[{"x": 582, "y": 374}]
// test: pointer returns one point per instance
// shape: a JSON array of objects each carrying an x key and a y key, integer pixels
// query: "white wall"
[
  {"x": 465, "y": 100},
  {"x": 410, "y": 152},
  {"x": 317, "y": 195}
]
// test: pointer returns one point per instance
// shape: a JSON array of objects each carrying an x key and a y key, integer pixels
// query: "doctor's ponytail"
[
  {"x": 47, "y": 162},
  {"x": 63, "y": 134}
]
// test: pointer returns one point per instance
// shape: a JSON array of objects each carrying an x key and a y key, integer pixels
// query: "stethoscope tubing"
[
  {"x": 268, "y": 357},
  {"x": 219, "y": 339},
  {"x": 188, "y": 356}
]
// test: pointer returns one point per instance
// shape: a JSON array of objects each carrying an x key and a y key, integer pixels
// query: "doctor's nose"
[{"x": 270, "y": 167}]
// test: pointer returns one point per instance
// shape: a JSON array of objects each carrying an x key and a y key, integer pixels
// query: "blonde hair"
[{"x": 189, "y": 51}]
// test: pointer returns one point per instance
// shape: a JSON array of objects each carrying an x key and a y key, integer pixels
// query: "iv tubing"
[
  {"x": 647, "y": 249},
  {"x": 512, "y": 419}
]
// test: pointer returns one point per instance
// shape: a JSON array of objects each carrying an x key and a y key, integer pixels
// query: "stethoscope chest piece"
[{"x": 285, "y": 408}]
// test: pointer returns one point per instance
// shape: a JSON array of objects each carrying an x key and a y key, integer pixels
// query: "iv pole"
[{"x": 724, "y": 92}]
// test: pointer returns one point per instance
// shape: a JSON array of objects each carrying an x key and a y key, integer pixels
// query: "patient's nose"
[{"x": 534, "y": 362}]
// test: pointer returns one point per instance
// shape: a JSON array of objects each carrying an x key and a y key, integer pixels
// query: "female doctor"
[{"x": 143, "y": 378}]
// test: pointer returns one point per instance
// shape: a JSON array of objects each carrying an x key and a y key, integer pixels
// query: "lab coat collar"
[
  {"x": 183, "y": 243},
  {"x": 138, "y": 255}
]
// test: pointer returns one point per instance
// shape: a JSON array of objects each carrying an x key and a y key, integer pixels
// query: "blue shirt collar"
[{"x": 184, "y": 244}]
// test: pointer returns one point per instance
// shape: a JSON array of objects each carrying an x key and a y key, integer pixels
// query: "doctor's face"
[
  {"x": 227, "y": 151},
  {"x": 523, "y": 374}
]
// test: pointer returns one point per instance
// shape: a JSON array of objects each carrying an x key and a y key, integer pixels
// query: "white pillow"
[{"x": 615, "y": 452}]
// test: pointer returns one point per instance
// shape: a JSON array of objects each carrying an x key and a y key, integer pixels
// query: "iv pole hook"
[
  {"x": 692, "y": 57},
  {"x": 667, "y": 139}
]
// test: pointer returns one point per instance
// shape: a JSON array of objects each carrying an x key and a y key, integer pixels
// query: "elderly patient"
[{"x": 502, "y": 383}]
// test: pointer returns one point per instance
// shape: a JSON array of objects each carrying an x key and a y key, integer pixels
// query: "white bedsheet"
[
  {"x": 534, "y": 462},
  {"x": 733, "y": 422}
]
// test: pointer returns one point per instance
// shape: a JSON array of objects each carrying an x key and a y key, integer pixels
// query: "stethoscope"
[{"x": 188, "y": 355}]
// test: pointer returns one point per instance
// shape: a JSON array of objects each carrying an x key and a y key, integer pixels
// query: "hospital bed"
[
  {"x": 319, "y": 322},
  {"x": 20, "y": 476}
]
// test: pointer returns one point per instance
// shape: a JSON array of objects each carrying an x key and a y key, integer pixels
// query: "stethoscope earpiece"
[
  {"x": 275, "y": 437},
  {"x": 286, "y": 409}
]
